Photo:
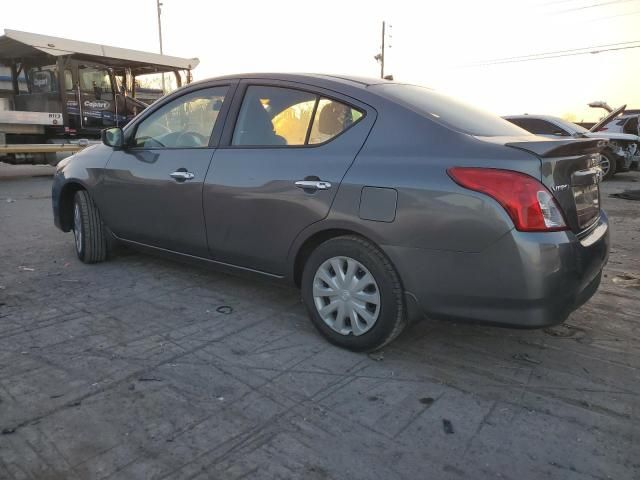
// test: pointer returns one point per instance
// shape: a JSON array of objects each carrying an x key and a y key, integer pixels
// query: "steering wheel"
[{"x": 191, "y": 139}]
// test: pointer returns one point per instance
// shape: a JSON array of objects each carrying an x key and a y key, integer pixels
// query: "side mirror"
[{"x": 113, "y": 137}]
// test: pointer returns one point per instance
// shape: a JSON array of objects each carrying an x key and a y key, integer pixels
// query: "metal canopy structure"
[{"x": 16, "y": 45}]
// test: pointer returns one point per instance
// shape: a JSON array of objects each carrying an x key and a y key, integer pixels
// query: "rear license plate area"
[{"x": 587, "y": 200}]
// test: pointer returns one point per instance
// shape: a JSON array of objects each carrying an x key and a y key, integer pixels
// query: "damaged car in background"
[
  {"x": 620, "y": 120},
  {"x": 620, "y": 152}
]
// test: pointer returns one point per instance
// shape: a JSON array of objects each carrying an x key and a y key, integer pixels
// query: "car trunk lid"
[
  {"x": 571, "y": 173},
  {"x": 599, "y": 126}
]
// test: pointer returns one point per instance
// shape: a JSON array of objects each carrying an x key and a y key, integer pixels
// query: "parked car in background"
[
  {"x": 616, "y": 157},
  {"x": 622, "y": 120},
  {"x": 383, "y": 202}
]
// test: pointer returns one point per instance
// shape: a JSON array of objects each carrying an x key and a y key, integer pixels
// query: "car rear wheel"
[
  {"x": 353, "y": 294},
  {"x": 88, "y": 230},
  {"x": 608, "y": 165}
]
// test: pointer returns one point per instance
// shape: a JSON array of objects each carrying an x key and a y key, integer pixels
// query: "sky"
[{"x": 443, "y": 44}]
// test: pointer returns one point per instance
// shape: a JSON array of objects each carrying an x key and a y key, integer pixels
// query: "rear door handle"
[
  {"x": 181, "y": 175},
  {"x": 313, "y": 185}
]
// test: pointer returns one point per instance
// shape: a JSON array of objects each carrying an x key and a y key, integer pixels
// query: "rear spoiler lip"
[{"x": 561, "y": 148}]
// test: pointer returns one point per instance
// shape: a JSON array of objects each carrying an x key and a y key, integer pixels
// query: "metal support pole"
[
  {"x": 14, "y": 78},
  {"x": 159, "y": 5}
]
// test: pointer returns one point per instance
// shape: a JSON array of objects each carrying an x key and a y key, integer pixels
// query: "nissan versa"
[{"x": 383, "y": 202}]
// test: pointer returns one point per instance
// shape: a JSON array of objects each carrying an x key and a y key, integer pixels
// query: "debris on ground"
[
  {"x": 563, "y": 330},
  {"x": 224, "y": 309},
  {"x": 377, "y": 356},
  {"x": 149, "y": 379},
  {"x": 26, "y": 269},
  {"x": 10, "y": 200},
  {"x": 447, "y": 426},
  {"x": 627, "y": 195},
  {"x": 526, "y": 358},
  {"x": 428, "y": 401},
  {"x": 627, "y": 280},
  {"x": 7, "y": 431}
]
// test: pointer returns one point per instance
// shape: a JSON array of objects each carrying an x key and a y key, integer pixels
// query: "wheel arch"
[
  {"x": 308, "y": 245},
  {"x": 312, "y": 241},
  {"x": 65, "y": 201}
]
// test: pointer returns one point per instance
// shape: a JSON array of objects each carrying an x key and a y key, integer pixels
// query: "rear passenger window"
[
  {"x": 276, "y": 116},
  {"x": 331, "y": 119}
]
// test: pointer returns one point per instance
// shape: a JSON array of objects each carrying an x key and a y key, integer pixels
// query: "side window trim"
[
  {"x": 319, "y": 92},
  {"x": 214, "y": 138},
  {"x": 311, "y": 122}
]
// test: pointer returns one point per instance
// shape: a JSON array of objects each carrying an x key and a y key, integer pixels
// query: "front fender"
[{"x": 81, "y": 171}]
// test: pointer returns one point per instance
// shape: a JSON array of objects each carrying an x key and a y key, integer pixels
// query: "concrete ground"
[
  {"x": 8, "y": 171},
  {"x": 144, "y": 368}
]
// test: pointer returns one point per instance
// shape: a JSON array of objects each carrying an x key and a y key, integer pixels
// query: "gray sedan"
[{"x": 384, "y": 202}]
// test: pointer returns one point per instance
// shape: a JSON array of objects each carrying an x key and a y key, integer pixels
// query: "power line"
[
  {"x": 555, "y": 2},
  {"x": 545, "y": 57},
  {"x": 601, "y": 4},
  {"x": 615, "y": 16},
  {"x": 570, "y": 50}
]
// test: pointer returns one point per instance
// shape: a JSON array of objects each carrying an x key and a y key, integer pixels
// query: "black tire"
[
  {"x": 613, "y": 165},
  {"x": 392, "y": 318},
  {"x": 91, "y": 247}
]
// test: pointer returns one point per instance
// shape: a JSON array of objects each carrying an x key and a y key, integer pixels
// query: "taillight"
[{"x": 529, "y": 204}]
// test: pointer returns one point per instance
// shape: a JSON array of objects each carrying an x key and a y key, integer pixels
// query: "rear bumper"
[{"x": 525, "y": 280}]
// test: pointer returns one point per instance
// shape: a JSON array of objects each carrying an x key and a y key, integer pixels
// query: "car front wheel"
[
  {"x": 353, "y": 294},
  {"x": 88, "y": 229}
]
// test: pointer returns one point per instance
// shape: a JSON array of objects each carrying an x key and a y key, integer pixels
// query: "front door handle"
[
  {"x": 181, "y": 175},
  {"x": 313, "y": 185}
]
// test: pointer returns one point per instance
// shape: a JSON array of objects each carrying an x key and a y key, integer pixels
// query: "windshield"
[
  {"x": 449, "y": 112},
  {"x": 43, "y": 79}
]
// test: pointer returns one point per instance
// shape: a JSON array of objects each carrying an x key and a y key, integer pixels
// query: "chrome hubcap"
[
  {"x": 346, "y": 296},
  {"x": 604, "y": 164},
  {"x": 77, "y": 227}
]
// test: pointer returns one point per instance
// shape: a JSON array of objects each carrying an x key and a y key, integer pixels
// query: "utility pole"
[
  {"x": 382, "y": 52},
  {"x": 159, "y": 5},
  {"x": 379, "y": 57}
]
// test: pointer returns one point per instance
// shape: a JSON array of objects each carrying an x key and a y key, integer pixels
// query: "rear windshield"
[{"x": 449, "y": 112}]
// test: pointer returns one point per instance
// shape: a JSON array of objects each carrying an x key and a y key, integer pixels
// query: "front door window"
[{"x": 187, "y": 122}]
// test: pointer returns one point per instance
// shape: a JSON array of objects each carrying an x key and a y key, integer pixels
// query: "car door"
[
  {"x": 278, "y": 169},
  {"x": 151, "y": 190},
  {"x": 96, "y": 92},
  {"x": 72, "y": 99}
]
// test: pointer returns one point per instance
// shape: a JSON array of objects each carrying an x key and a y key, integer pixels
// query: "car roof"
[{"x": 319, "y": 79}]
